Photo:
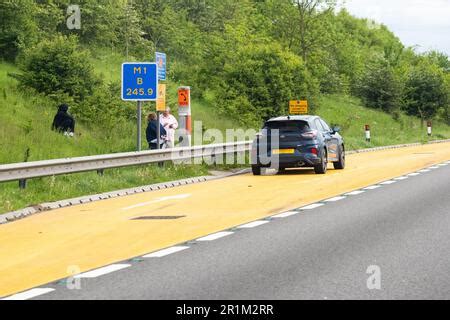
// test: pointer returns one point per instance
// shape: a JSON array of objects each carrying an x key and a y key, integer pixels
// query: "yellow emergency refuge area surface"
[{"x": 43, "y": 247}]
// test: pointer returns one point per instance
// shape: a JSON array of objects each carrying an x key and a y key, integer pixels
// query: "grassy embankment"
[{"x": 25, "y": 120}]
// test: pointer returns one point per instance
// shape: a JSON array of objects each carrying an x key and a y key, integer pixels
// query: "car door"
[
  {"x": 332, "y": 142},
  {"x": 325, "y": 135}
]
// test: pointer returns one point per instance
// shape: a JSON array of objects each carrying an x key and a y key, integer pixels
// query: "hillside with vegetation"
[{"x": 243, "y": 59}]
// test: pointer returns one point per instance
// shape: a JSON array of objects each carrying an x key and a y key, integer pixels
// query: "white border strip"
[
  {"x": 102, "y": 271},
  {"x": 372, "y": 187},
  {"x": 355, "y": 193},
  {"x": 253, "y": 224},
  {"x": 165, "y": 252},
  {"x": 311, "y": 206},
  {"x": 285, "y": 214},
  {"x": 334, "y": 199},
  {"x": 32, "y": 293},
  {"x": 215, "y": 236}
]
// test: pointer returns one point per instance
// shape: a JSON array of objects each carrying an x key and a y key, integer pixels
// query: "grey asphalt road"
[{"x": 402, "y": 228}]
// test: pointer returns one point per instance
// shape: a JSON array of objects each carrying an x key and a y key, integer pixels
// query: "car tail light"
[
  {"x": 310, "y": 134},
  {"x": 314, "y": 151}
]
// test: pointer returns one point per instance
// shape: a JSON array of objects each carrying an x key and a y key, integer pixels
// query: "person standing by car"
[
  {"x": 63, "y": 121},
  {"x": 151, "y": 132},
  {"x": 170, "y": 124}
]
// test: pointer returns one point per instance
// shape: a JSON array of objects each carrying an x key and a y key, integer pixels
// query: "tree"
[
  {"x": 261, "y": 82},
  {"x": 59, "y": 66},
  {"x": 425, "y": 91},
  {"x": 17, "y": 27},
  {"x": 310, "y": 13},
  {"x": 379, "y": 87}
]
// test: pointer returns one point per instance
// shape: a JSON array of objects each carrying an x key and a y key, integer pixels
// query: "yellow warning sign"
[
  {"x": 161, "y": 102},
  {"x": 298, "y": 107}
]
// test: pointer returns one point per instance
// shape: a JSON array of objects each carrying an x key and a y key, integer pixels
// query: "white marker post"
[
  {"x": 367, "y": 128},
  {"x": 429, "y": 128}
]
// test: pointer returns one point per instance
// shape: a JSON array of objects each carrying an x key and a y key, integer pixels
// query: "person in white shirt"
[{"x": 170, "y": 123}]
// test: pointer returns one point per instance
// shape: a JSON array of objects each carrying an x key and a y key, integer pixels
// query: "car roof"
[{"x": 293, "y": 118}]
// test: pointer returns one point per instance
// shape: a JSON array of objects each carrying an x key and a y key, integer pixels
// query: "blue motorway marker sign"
[
  {"x": 160, "y": 59},
  {"x": 139, "y": 81}
]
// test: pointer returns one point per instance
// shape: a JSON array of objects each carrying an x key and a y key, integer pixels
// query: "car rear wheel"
[
  {"x": 340, "y": 164},
  {"x": 256, "y": 170},
  {"x": 322, "y": 167}
]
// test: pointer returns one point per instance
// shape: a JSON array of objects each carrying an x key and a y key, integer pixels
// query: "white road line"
[
  {"x": 414, "y": 174},
  {"x": 143, "y": 204},
  {"x": 102, "y": 271},
  {"x": 215, "y": 236},
  {"x": 448, "y": 162},
  {"x": 252, "y": 224},
  {"x": 165, "y": 252},
  {"x": 372, "y": 187},
  {"x": 335, "y": 199},
  {"x": 312, "y": 206},
  {"x": 354, "y": 193},
  {"x": 424, "y": 170},
  {"x": 388, "y": 182},
  {"x": 442, "y": 164},
  {"x": 433, "y": 167},
  {"x": 285, "y": 214},
  {"x": 32, "y": 293},
  {"x": 401, "y": 178}
]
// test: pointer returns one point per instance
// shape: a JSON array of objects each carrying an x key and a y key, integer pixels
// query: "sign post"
[
  {"x": 139, "y": 83},
  {"x": 298, "y": 107},
  {"x": 184, "y": 113},
  {"x": 160, "y": 107},
  {"x": 161, "y": 61},
  {"x": 429, "y": 128}
]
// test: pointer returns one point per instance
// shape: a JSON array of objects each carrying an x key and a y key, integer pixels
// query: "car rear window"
[{"x": 287, "y": 126}]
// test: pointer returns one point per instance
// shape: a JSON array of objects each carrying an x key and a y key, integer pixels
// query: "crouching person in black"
[
  {"x": 63, "y": 121},
  {"x": 152, "y": 134}
]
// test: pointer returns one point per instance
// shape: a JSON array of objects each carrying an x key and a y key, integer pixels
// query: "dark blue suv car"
[{"x": 297, "y": 141}]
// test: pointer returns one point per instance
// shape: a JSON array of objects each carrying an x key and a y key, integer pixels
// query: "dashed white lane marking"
[
  {"x": 335, "y": 199},
  {"x": 442, "y": 164},
  {"x": 143, "y": 204},
  {"x": 252, "y": 224},
  {"x": 354, "y": 193},
  {"x": 29, "y": 294},
  {"x": 388, "y": 182},
  {"x": 312, "y": 206},
  {"x": 102, "y": 271},
  {"x": 414, "y": 174},
  {"x": 165, "y": 252},
  {"x": 372, "y": 187},
  {"x": 424, "y": 170},
  {"x": 285, "y": 214},
  {"x": 401, "y": 178},
  {"x": 215, "y": 236},
  {"x": 433, "y": 167}
]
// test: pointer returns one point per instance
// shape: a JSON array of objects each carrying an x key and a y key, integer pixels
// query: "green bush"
[
  {"x": 59, "y": 66},
  {"x": 17, "y": 27},
  {"x": 379, "y": 87},
  {"x": 263, "y": 79}
]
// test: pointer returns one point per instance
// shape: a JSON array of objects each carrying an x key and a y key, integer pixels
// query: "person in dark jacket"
[
  {"x": 63, "y": 121},
  {"x": 151, "y": 132}
]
